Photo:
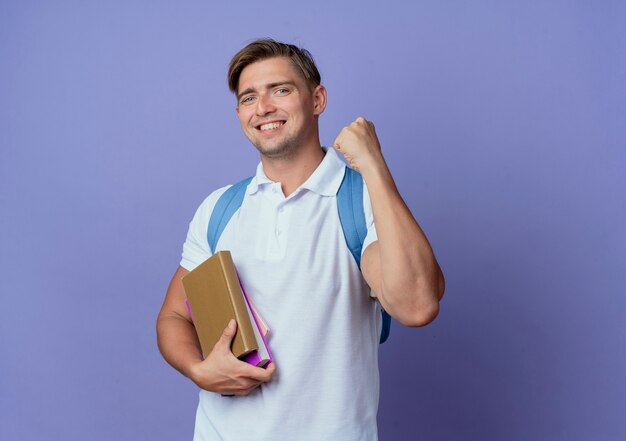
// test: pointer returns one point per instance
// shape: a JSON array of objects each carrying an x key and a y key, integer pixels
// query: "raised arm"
[
  {"x": 220, "y": 371},
  {"x": 400, "y": 266}
]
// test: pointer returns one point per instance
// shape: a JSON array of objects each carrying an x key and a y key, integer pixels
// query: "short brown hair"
[{"x": 265, "y": 48}]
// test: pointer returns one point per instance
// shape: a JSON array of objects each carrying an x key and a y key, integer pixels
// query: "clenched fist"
[{"x": 359, "y": 144}]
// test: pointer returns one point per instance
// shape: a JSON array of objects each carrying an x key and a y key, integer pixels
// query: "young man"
[{"x": 289, "y": 248}]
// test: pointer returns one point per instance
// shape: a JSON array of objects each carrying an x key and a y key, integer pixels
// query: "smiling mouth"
[{"x": 270, "y": 126}]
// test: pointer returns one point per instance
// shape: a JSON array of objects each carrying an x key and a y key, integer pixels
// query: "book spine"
[{"x": 238, "y": 302}]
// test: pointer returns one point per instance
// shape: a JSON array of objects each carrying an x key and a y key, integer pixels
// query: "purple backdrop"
[{"x": 503, "y": 123}]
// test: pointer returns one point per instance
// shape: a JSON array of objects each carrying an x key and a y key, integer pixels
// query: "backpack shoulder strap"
[
  {"x": 352, "y": 217},
  {"x": 227, "y": 204},
  {"x": 351, "y": 214}
]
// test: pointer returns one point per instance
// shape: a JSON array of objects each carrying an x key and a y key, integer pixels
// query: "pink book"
[{"x": 261, "y": 357}]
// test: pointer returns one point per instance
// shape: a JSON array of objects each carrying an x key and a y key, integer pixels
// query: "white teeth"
[{"x": 270, "y": 126}]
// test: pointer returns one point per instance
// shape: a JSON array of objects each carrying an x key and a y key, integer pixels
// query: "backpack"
[{"x": 351, "y": 216}]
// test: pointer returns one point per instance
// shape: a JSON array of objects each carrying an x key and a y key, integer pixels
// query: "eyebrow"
[{"x": 269, "y": 86}]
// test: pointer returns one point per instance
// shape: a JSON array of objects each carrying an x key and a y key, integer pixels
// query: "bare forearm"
[
  {"x": 410, "y": 281},
  {"x": 400, "y": 266},
  {"x": 220, "y": 371},
  {"x": 178, "y": 343}
]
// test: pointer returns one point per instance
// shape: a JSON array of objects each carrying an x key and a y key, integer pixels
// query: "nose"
[{"x": 264, "y": 105}]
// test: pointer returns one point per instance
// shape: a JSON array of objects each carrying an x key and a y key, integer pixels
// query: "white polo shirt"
[{"x": 293, "y": 261}]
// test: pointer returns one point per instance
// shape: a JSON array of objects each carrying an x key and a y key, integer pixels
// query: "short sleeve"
[
  {"x": 371, "y": 236},
  {"x": 196, "y": 247}
]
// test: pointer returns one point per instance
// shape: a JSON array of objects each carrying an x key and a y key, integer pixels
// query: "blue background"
[{"x": 502, "y": 122}]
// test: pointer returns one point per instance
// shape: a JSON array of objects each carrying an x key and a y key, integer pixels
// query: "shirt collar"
[
  {"x": 259, "y": 179},
  {"x": 324, "y": 181}
]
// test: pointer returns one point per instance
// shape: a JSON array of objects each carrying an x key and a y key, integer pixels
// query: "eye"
[
  {"x": 282, "y": 91},
  {"x": 247, "y": 100}
]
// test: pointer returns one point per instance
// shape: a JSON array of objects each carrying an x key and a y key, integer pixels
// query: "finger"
[
  {"x": 269, "y": 372},
  {"x": 239, "y": 386},
  {"x": 259, "y": 374},
  {"x": 337, "y": 141},
  {"x": 241, "y": 390},
  {"x": 227, "y": 336}
]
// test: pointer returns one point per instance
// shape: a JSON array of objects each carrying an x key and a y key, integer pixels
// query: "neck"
[{"x": 294, "y": 170}]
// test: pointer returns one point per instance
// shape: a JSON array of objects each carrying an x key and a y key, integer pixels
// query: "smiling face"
[{"x": 277, "y": 109}]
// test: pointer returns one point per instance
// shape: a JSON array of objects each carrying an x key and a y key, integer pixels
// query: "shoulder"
[
  {"x": 209, "y": 202},
  {"x": 204, "y": 210},
  {"x": 215, "y": 199}
]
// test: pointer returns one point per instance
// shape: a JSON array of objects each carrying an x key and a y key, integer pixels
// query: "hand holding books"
[
  {"x": 237, "y": 358},
  {"x": 223, "y": 373}
]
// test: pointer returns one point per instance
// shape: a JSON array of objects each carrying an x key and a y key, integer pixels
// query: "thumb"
[{"x": 228, "y": 334}]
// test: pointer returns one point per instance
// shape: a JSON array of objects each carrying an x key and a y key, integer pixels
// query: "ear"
[{"x": 319, "y": 99}]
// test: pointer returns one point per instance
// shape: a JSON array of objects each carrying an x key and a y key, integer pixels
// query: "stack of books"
[{"x": 214, "y": 297}]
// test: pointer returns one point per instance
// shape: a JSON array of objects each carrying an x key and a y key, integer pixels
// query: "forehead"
[{"x": 271, "y": 70}]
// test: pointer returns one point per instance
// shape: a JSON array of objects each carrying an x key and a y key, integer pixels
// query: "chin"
[{"x": 280, "y": 150}]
